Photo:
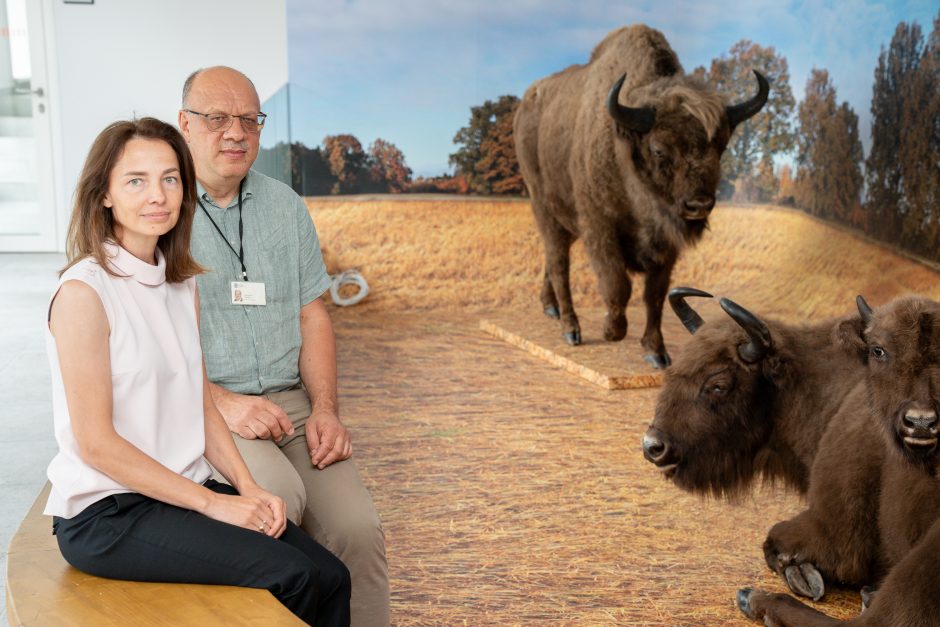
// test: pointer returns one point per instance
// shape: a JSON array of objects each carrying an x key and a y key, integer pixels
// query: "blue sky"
[{"x": 408, "y": 71}]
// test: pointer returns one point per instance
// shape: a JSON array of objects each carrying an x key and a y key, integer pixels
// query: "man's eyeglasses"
[{"x": 222, "y": 121}]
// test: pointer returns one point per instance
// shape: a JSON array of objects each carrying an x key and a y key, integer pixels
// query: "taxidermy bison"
[
  {"x": 874, "y": 490},
  {"x": 751, "y": 398},
  {"x": 623, "y": 152}
]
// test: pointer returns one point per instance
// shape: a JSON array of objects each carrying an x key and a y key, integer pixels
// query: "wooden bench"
[{"x": 42, "y": 589}]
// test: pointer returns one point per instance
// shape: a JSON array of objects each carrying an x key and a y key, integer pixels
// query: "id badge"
[{"x": 247, "y": 293}]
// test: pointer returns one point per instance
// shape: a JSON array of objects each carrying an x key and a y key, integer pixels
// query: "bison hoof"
[
  {"x": 805, "y": 580},
  {"x": 573, "y": 338},
  {"x": 744, "y": 602},
  {"x": 868, "y": 595},
  {"x": 660, "y": 362},
  {"x": 552, "y": 312}
]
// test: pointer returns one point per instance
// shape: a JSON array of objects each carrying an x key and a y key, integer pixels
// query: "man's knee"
[
  {"x": 290, "y": 488},
  {"x": 350, "y": 532}
]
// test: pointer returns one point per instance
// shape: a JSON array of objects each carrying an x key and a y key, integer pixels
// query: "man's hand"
[
  {"x": 327, "y": 439},
  {"x": 252, "y": 416}
]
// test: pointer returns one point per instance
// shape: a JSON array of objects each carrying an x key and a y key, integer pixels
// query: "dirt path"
[{"x": 513, "y": 493}]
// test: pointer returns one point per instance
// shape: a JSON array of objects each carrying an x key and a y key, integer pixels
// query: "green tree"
[
  {"x": 918, "y": 157},
  {"x": 471, "y": 139},
  {"x": 749, "y": 157},
  {"x": 310, "y": 171},
  {"x": 887, "y": 205}
]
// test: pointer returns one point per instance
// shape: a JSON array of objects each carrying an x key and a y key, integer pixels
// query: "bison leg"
[
  {"x": 612, "y": 280},
  {"x": 556, "y": 288},
  {"x": 788, "y": 550},
  {"x": 654, "y": 295},
  {"x": 908, "y": 595},
  {"x": 781, "y": 610},
  {"x": 549, "y": 302}
]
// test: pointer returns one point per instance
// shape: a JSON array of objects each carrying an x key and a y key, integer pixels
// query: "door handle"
[{"x": 39, "y": 91}]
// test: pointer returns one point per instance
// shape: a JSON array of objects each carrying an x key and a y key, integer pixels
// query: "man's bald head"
[
  {"x": 216, "y": 72},
  {"x": 222, "y": 152}
]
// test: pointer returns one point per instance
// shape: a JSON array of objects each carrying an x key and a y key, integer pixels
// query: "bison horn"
[
  {"x": 690, "y": 319},
  {"x": 754, "y": 350},
  {"x": 740, "y": 112},
  {"x": 638, "y": 119},
  {"x": 864, "y": 310}
]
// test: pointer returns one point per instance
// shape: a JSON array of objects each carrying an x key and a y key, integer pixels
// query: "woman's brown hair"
[{"x": 92, "y": 223}]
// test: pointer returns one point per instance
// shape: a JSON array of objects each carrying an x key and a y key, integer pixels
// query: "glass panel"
[
  {"x": 15, "y": 73},
  {"x": 274, "y": 156}
]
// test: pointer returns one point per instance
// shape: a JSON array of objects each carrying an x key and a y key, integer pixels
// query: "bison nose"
[
  {"x": 925, "y": 419},
  {"x": 654, "y": 449},
  {"x": 699, "y": 207}
]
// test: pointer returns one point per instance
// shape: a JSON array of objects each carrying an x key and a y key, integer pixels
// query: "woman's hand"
[{"x": 254, "y": 509}]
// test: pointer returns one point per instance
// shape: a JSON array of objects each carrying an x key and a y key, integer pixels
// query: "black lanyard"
[{"x": 240, "y": 253}]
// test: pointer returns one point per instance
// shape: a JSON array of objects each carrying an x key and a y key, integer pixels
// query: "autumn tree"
[
  {"x": 786, "y": 188},
  {"x": 498, "y": 167},
  {"x": 348, "y": 163},
  {"x": 482, "y": 156},
  {"x": 387, "y": 167},
  {"x": 896, "y": 66},
  {"x": 748, "y": 161},
  {"x": 829, "y": 176}
]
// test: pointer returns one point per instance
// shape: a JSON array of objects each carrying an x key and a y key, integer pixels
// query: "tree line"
[{"x": 892, "y": 195}]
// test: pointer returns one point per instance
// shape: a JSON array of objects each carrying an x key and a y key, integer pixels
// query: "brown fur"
[
  {"x": 628, "y": 195},
  {"x": 770, "y": 417},
  {"x": 874, "y": 503}
]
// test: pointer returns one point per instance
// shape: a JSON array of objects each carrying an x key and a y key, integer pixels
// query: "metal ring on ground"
[{"x": 348, "y": 277}]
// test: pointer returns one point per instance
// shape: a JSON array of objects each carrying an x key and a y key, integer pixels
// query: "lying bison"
[
  {"x": 749, "y": 398},
  {"x": 623, "y": 152},
  {"x": 877, "y": 466}
]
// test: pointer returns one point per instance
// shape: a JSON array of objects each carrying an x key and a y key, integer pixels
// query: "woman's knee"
[{"x": 304, "y": 579}]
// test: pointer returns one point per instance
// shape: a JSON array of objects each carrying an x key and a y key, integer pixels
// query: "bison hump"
[{"x": 644, "y": 51}]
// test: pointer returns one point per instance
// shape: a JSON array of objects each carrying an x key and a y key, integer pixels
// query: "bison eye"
[
  {"x": 717, "y": 389},
  {"x": 659, "y": 153},
  {"x": 878, "y": 353}
]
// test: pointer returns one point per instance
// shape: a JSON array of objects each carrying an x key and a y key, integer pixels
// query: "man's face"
[{"x": 223, "y": 156}]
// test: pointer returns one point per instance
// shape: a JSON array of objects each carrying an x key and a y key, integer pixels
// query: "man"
[{"x": 271, "y": 356}]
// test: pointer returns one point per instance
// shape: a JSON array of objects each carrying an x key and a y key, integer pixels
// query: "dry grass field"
[
  {"x": 481, "y": 254},
  {"x": 513, "y": 493}
]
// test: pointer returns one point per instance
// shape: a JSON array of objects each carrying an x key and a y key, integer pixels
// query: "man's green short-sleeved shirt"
[{"x": 256, "y": 349}]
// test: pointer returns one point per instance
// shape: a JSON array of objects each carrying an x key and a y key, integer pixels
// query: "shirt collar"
[
  {"x": 129, "y": 265},
  {"x": 206, "y": 199}
]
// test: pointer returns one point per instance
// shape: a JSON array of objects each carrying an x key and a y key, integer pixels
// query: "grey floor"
[{"x": 26, "y": 436}]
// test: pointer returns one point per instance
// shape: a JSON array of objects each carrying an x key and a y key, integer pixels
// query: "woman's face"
[{"x": 144, "y": 192}]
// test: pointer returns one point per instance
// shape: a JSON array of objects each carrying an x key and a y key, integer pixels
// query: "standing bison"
[{"x": 623, "y": 152}]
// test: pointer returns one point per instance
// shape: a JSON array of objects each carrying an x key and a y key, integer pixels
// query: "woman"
[{"x": 135, "y": 423}]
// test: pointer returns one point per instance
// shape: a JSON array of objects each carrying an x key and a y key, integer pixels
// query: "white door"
[{"x": 27, "y": 194}]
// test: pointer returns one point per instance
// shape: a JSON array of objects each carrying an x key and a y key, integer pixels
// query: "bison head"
[
  {"x": 676, "y": 145},
  {"x": 903, "y": 344},
  {"x": 713, "y": 413}
]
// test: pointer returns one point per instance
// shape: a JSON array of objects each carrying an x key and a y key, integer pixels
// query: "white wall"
[{"x": 117, "y": 59}]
